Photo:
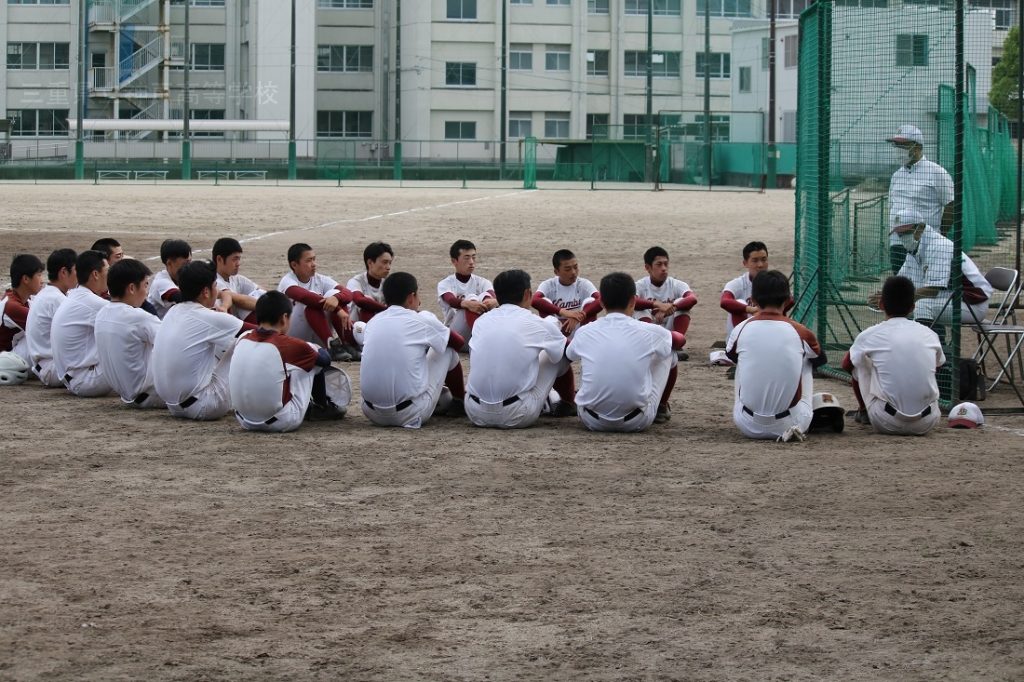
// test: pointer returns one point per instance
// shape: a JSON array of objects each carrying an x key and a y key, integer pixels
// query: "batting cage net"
[{"x": 904, "y": 167}]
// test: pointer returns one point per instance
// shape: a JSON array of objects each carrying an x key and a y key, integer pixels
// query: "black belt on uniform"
[
  {"x": 632, "y": 415},
  {"x": 141, "y": 398},
  {"x": 67, "y": 378},
  {"x": 780, "y": 415},
  {"x": 188, "y": 402},
  {"x": 398, "y": 408},
  {"x": 890, "y": 410},
  {"x": 504, "y": 403},
  {"x": 39, "y": 368}
]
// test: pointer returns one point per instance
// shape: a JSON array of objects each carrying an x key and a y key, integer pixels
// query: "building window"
[
  {"x": 634, "y": 126},
  {"x": 724, "y": 8},
  {"x": 38, "y": 122},
  {"x": 788, "y": 126},
  {"x": 790, "y": 9},
  {"x": 663, "y": 64},
  {"x": 345, "y": 4},
  {"x": 460, "y": 130},
  {"x": 344, "y": 58},
  {"x": 1002, "y": 11},
  {"x": 597, "y": 6},
  {"x": 520, "y": 2},
  {"x": 862, "y": 3},
  {"x": 719, "y": 64},
  {"x": 462, "y": 9},
  {"x": 520, "y": 57},
  {"x": 766, "y": 45},
  {"x": 208, "y": 115},
  {"x": 744, "y": 79},
  {"x": 38, "y": 2},
  {"x": 344, "y": 124},
  {"x": 200, "y": 3},
  {"x": 791, "y": 50},
  {"x": 556, "y": 58},
  {"x": 38, "y": 56},
  {"x": 207, "y": 56},
  {"x": 597, "y": 126},
  {"x": 597, "y": 63},
  {"x": 911, "y": 50},
  {"x": 556, "y": 125},
  {"x": 719, "y": 127},
  {"x": 559, "y": 2},
  {"x": 520, "y": 124},
  {"x": 661, "y": 7},
  {"x": 460, "y": 73}
]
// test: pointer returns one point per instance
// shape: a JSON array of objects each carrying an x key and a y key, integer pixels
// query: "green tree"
[{"x": 1003, "y": 94}]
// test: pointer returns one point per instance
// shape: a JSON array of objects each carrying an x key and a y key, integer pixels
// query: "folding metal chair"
[{"x": 1003, "y": 324}]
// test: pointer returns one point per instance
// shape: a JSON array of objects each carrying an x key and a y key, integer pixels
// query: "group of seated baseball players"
[{"x": 201, "y": 340}]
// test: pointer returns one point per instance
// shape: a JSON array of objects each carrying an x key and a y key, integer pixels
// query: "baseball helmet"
[
  {"x": 13, "y": 369},
  {"x": 828, "y": 413}
]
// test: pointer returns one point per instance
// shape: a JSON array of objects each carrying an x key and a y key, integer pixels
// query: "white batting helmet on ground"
[{"x": 13, "y": 369}]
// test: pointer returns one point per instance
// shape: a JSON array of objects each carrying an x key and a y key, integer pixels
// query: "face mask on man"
[{"x": 908, "y": 241}]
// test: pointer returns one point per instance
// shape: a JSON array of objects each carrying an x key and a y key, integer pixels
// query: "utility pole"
[
  {"x": 397, "y": 158},
  {"x": 772, "y": 153},
  {"x": 649, "y": 118},
  {"x": 504, "y": 88},
  {"x": 292, "y": 170},
  {"x": 82, "y": 91},
  {"x": 186, "y": 133},
  {"x": 707, "y": 90}
]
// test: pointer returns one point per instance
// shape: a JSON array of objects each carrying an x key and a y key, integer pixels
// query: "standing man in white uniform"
[
  {"x": 73, "y": 331},
  {"x": 60, "y": 267}
]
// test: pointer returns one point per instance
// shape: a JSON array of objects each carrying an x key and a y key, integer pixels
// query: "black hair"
[
  {"x": 653, "y": 253},
  {"x": 510, "y": 285},
  {"x": 295, "y": 252},
  {"x": 87, "y": 263},
  {"x": 124, "y": 272},
  {"x": 24, "y": 265},
  {"x": 459, "y": 246},
  {"x": 752, "y": 247},
  {"x": 174, "y": 248},
  {"x": 898, "y": 296},
  {"x": 194, "y": 277},
  {"x": 271, "y": 307},
  {"x": 770, "y": 289},
  {"x": 617, "y": 289},
  {"x": 224, "y": 247},
  {"x": 397, "y": 287},
  {"x": 105, "y": 245},
  {"x": 561, "y": 256},
  {"x": 59, "y": 260},
  {"x": 376, "y": 250}
]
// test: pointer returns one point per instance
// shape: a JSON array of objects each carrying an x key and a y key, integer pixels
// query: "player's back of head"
[
  {"x": 375, "y": 250},
  {"x": 560, "y": 257},
  {"x": 124, "y": 272},
  {"x": 460, "y": 245},
  {"x": 194, "y": 277},
  {"x": 59, "y": 260},
  {"x": 87, "y": 263},
  {"x": 397, "y": 288},
  {"x": 653, "y": 253},
  {"x": 617, "y": 291},
  {"x": 24, "y": 265},
  {"x": 510, "y": 286},
  {"x": 224, "y": 247},
  {"x": 271, "y": 307},
  {"x": 295, "y": 252},
  {"x": 898, "y": 296},
  {"x": 105, "y": 245},
  {"x": 770, "y": 289},
  {"x": 174, "y": 248},
  {"x": 751, "y": 247}
]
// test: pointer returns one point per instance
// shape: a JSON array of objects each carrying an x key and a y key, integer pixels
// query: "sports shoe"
[
  {"x": 663, "y": 414},
  {"x": 457, "y": 408},
  {"x": 356, "y": 354},
  {"x": 324, "y": 413},
  {"x": 564, "y": 409},
  {"x": 861, "y": 417},
  {"x": 682, "y": 355},
  {"x": 730, "y": 373},
  {"x": 339, "y": 352},
  {"x": 792, "y": 435}
]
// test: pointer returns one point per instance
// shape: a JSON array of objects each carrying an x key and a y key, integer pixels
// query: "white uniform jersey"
[
  {"x": 671, "y": 290},
  {"x": 925, "y": 187},
  {"x": 904, "y": 356},
  {"x": 189, "y": 345},
  {"x": 261, "y": 369},
  {"x": 741, "y": 289},
  {"x": 930, "y": 265},
  {"x": 72, "y": 333},
  {"x": 361, "y": 283},
  {"x": 124, "y": 339},
  {"x": 506, "y": 348},
  {"x": 394, "y": 363},
  {"x": 240, "y": 284},
  {"x": 618, "y": 355},
  {"x": 571, "y": 297},
  {"x": 158, "y": 286},
  {"x": 475, "y": 288},
  {"x": 321, "y": 285},
  {"x": 40, "y": 319}
]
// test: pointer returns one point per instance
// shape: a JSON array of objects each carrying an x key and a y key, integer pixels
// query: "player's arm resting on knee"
[
  {"x": 678, "y": 340},
  {"x": 686, "y": 302},
  {"x": 644, "y": 304},
  {"x": 545, "y": 307},
  {"x": 364, "y": 302},
  {"x": 172, "y": 295},
  {"x": 591, "y": 309},
  {"x": 304, "y": 296},
  {"x": 731, "y": 304},
  {"x": 455, "y": 340},
  {"x": 225, "y": 300},
  {"x": 17, "y": 313},
  {"x": 336, "y": 301},
  {"x": 490, "y": 299},
  {"x": 242, "y": 301}
]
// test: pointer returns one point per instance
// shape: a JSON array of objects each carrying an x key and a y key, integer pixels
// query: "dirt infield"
[{"x": 138, "y": 546}]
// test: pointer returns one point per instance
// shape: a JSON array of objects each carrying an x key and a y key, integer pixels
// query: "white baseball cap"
[
  {"x": 907, "y": 134},
  {"x": 966, "y": 416},
  {"x": 906, "y": 220}
]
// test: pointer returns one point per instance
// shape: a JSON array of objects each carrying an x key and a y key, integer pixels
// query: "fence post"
[{"x": 463, "y": 176}]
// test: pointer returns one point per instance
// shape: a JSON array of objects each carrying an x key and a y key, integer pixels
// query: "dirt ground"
[{"x": 137, "y": 546}]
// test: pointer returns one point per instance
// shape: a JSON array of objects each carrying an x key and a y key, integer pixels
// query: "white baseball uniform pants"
[
  {"x": 460, "y": 325},
  {"x": 637, "y": 421},
  {"x": 87, "y": 382},
  {"x": 667, "y": 323},
  {"x": 524, "y": 411},
  {"x": 768, "y": 427},
  {"x": 47, "y": 373},
  {"x": 891, "y": 421},
  {"x": 415, "y": 412},
  {"x": 212, "y": 401},
  {"x": 940, "y": 310},
  {"x": 291, "y": 416}
]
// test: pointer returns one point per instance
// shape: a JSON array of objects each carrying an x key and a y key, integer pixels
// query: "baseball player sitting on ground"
[
  {"x": 517, "y": 359},
  {"x": 663, "y": 299},
  {"x": 774, "y": 359},
  {"x": 26, "y": 282},
  {"x": 277, "y": 381},
  {"x": 462, "y": 295},
  {"x": 628, "y": 367},
  {"x": 60, "y": 267},
  {"x": 367, "y": 299},
  {"x": 571, "y": 298},
  {"x": 73, "y": 331},
  {"x": 736, "y": 294},
  {"x": 408, "y": 358},
  {"x": 163, "y": 290},
  {"x": 125, "y": 334},
  {"x": 192, "y": 351},
  {"x": 114, "y": 252},
  {"x": 241, "y": 291},
  {"x": 320, "y": 303},
  {"x": 893, "y": 366}
]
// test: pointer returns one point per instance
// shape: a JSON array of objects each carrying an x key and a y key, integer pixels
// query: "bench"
[
  {"x": 154, "y": 174},
  {"x": 120, "y": 174},
  {"x": 219, "y": 174}
]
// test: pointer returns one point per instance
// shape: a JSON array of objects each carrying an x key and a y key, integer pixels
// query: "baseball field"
[{"x": 137, "y": 546}]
